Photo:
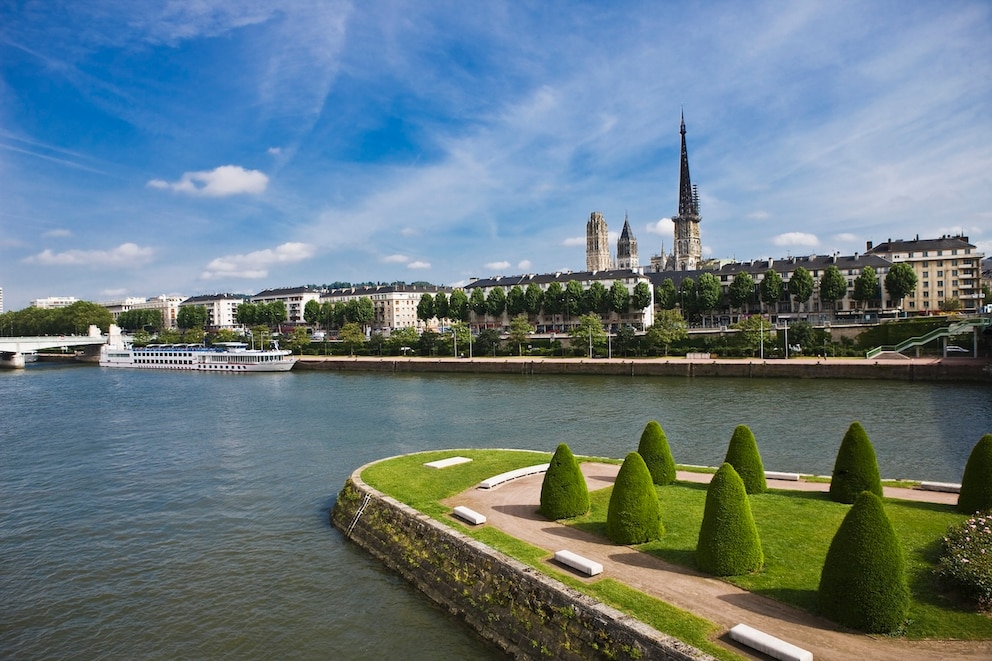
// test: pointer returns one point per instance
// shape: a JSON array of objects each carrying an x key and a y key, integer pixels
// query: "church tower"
[
  {"x": 627, "y": 248},
  {"x": 688, "y": 251},
  {"x": 597, "y": 244}
]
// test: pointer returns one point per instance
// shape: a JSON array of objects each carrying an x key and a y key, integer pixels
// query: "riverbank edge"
[
  {"x": 908, "y": 369},
  {"x": 525, "y": 613}
]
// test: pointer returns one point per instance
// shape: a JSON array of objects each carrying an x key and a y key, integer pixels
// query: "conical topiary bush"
[
  {"x": 656, "y": 454},
  {"x": 743, "y": 455},
  {"x": 863, "y": 584},
  {"x": 564, "y": 493},
  {"x": 976, "y": 483},
  {"x": 728, "y": 542},
  {"x": 856, "y": 468},
  {"x": 634, "y": 515}
]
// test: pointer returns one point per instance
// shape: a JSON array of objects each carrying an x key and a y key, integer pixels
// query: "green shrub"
[
  {"x": 863, "y": 584},
  {"x": 965, "y": 564},
  {"x": 728, "y": 542},
  {"x": 656, "y": 454},
  {"x": 634, "y": 514},
  {"x": 564, "y": 493},
  {"x": 856, "y": 468},
  {"x": 976, "y": 483},
  {"x": 743, "y": 455}
]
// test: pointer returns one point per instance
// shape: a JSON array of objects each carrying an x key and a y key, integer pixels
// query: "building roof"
[
  {"x": 209, "y": 298},
  {"x": 946, "y": 242},
  {"x": 558, "y": 276},
  {"x": 783, "y": 265}
]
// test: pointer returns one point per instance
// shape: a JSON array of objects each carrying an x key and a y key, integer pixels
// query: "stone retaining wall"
[{"x": 524, "y": 612}]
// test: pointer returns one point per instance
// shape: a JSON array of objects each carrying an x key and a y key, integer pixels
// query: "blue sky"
[{"x": 233, "y": 146}]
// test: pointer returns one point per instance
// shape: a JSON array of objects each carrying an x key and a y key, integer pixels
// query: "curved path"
[{"x": 512, "y": 507}]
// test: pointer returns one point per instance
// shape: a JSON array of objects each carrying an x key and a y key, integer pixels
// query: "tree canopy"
[
  {"x": 833, "y": 286},
  {"x": 741, "y": 290},
  {"x": 900, "y": 281},
  {"x": 801, "y": 285}
]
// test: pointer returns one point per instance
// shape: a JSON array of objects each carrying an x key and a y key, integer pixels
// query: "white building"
[
  {"x": 395, "y": 306},
  {"x": 295, "y": 299},
  {"x": 222, "y": 309},
  {"x": 53, "y": 302}
]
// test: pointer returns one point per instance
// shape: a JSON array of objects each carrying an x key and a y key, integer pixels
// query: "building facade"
[
  {"x": 52, "y": 302},
  {"x": 627, "y": 248},
  {"x": 395, "y": 306},
  {"x": 294, "y": 298},
  {"x": 222, "y": 309},
  {"x": 597, "y": 244}
]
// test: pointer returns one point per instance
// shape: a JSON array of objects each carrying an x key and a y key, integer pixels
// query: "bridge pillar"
[{"x": 11, "y": 360}]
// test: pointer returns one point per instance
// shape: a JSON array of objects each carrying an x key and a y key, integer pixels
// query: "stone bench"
[
  {"x": 576, "y": 561},
  {"x": 496, "y": 480},
  {"x": 775, "y": 475},
  {"x": 469, "y": 515},
  {"x": 770, "y": 645},
  {"x": 450, "y": 461},
  {"x": 947, "y": 487}
]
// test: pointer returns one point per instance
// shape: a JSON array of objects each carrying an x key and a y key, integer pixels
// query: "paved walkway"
[{"x": 512, "y": 507}]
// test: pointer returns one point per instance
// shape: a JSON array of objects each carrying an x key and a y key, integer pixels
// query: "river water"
[{"x": 164, "y": 515}]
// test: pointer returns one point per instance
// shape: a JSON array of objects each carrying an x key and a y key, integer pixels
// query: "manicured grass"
[{"x": 795, "y": 528}]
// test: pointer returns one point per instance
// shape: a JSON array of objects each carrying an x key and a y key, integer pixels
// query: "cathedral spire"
[
  {"x": 687, "y": 201},
  {"x": 687, "y": 251}
]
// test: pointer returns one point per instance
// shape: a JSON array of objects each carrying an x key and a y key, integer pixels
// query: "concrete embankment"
[
  {"x": 524, "y": 612},
  {"x": 928, "y": 369}
]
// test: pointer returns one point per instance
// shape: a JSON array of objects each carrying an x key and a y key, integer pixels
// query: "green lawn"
[{"x": 795, "y": 527}]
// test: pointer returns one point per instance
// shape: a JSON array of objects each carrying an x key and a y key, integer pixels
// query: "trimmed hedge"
[
  {"x": 564, "y": 493},
  {"x": 743, "y": 455},
  {"x": 634, "y": 515},
  {"x": 863, "y": 584},
  {"x": 976, "y": 483},
  {"x": 728, "y": 543},
  {"x": 855, "y": 469},
  {"x": 657, "y": 455}
]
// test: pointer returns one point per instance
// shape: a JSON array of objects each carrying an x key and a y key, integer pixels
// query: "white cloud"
[
  {"x": 57, "y": 234},
  {"x": 123, "y": 256},
  {"x": 758, "y": 215},
  {"x": 220, "y": 182},
  {"x": 418, "y": 265},
  {"x": 275, "y": 151},
  {"x": 256, "y": 264},
  {"x": 796, "y": 239},
  {"x": 396, "y": 259},
  {"x": 498, "y": 266},
  {"x": 662, "y": 226},
  {"x": 573, "y": 241},
  {"x": 523, "y": 264},
  {"x": 845, "y": 237}
]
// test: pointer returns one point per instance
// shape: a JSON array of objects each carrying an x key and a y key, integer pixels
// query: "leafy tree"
[
  {"x": 458, "y": 306},
  {"x": 770, "y": 289},
  {"x": 78, "y": 317},
  {"x": 574, "y": 297},
  {"x": 191, "y": 316},
  {"x": 553, "y": 301},
  {"x": 668, "y": 327},
  {"x": 866, "y": 286},
  {"x": 641, "y": 298},
  {"x": 900, "y": 281},
  {"x": 311, "y": 312},
  {"x": 477, "y": 302},
  {"x": 428, "y": 342},
  {"x": 460, "y": 336},
  {"x": 976, "y": 483},
  {"x": 172, "y": 336},
  {"x": 855, "y": 469},
  {"x": 260, "y": 336},
  {"x": 520, "y": 332},
  {"x": 487, "y": 342},
  {"x": 665, "y": 295},
  {"x": 741, "y": 290},
  {"x": 564, "y": 493},
  {"x": 441, "y": 308},
  {"x": 595, "y": 300},
  {"x": 588, "y": 331},
  {"x": 801, "y": 285},
  {"x": 298, "y": 339},
  {"x": 197, "y": 335},
  {"x": 728, "y": 543},
  {"x": 425, "y": 308},
  {"x": 708, "y": 292},
  {"x": 755, "y": 331},
  {"x": 225, "y": 335},
  {"x": 657, "y": 455},
  {"x": 618, "y": 297},
  {"x": 625, "y": 340},
  {"x": 327, "y": 314},
  {"x": 863, "y": 583},
  {"x": 516, "y": 303},
  {"x": 689, "y": 299},
  {"x": 803, "y": 334},
  {"x": 952, "y": 304},
  {"x": 377, "y": 343},
  {"x": 352, "y": 337},
  {"x": 496, "y": 303},
  {"x": 743, "y": 455},
  {"x": 402, "y": 337},
  {"x": 364, "y": 311},
  {"x": 534, "y": 299},
  {"x": 141, "y": 338},
  {"x": 634, "y": 514},
  {"x": 134, "y": 320},
  {"x": 833, "y": 286}
]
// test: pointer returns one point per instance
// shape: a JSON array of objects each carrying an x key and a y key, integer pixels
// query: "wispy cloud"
[
  {"x": 126, "y": 255},
  {"x": 256, "y": 264},
  {"x": 498, "y": 266},
  {"x": 220, "y": 182},
  {"x": 57, "y": 234},
  {"x": 796, "y": 239},
  {"x": 395, "y": 259},
  {"x": 419, "y": 265}
]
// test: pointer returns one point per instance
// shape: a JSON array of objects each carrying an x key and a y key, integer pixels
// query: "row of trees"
[
  {"x": 335, "y": 314},
  {"x": 74, "y": 319},
  {"x": 705, "y": 296}
]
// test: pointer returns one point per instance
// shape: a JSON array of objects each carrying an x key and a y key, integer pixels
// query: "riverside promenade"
[
  {"x": 887, "y": 368},
  {"x": 512, "y": 508}
]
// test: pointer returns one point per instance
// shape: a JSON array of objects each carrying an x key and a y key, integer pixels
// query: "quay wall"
[
  {"x": 906, "y": 370},
  {"x": 524, "y": 612}
]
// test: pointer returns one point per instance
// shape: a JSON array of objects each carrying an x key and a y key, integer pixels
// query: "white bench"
[
  {"x": 469, "y": 515},
  {"x": 576, "y": 561},
  {"x": 775, "y": 475},
  {"x": 770, "y": 645},
  {"x": 512, "y": 475},
  {"x": 941, "y": 486},
  {"x": 450, "y": 461}
]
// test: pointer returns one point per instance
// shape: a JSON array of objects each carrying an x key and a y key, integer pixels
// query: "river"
[{"x": 162, "y": 515}]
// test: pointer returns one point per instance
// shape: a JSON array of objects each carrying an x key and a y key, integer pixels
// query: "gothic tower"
[
  {"x": 627, "y": 248},
  {"x": 688, "y": 250},
  {"x": 597, "y": 244}
]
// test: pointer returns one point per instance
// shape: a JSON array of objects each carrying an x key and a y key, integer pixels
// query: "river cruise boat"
[{"x": 230, "y": 357}]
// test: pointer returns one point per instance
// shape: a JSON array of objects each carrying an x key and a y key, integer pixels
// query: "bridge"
[{"x": 12, "y": 349}]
